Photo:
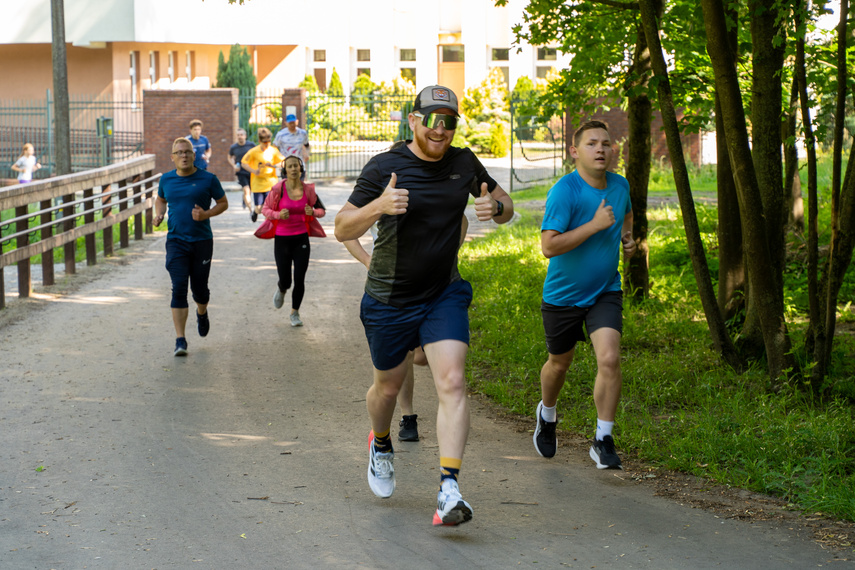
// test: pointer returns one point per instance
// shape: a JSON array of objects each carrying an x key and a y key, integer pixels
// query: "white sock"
[
  {"x": 548, "y": 414},
  {"x": 604, "y": 428}
]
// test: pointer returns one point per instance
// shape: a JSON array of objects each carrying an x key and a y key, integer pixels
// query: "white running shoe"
[
  {"x": 381, "y": 472},
  {"x": 278, "y": 298},
  {"x": 295, "y": 320},
  {"x": 451, "y": 509}
]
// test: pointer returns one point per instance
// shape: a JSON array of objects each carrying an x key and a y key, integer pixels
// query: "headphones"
[{"x": 302, "y": 168}]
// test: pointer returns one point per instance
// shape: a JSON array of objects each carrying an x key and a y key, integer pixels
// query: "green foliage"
[
  {"x": 335, "y": 88},
  {"x": 487, "y": 113},
  {"x": 310, "y": 84},
  {"x": 237, "y": 72},
  {"x": 363, "y": 93}
]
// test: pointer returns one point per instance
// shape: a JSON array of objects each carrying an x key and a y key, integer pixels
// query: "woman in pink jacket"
[{"x": 294, "y": 207}]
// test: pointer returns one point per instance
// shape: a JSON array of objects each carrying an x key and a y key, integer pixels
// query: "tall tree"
[
  {"x": 720, "y": 337},
  {"x": 765, "y": 288},
  {"x": 842, "y": 211},
  {"x": 62, "y": 122}
]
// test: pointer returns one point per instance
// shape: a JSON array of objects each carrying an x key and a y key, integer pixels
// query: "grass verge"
[{"x": 681, "y": 407}]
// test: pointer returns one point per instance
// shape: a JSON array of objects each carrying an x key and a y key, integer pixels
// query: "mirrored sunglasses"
[{"x": 433, "y": 120}]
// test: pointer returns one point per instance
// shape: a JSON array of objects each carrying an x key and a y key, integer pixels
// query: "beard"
[{"x": 425, "y": 146}]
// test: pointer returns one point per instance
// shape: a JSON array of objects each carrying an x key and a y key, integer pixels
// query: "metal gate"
[
  {"x": 347, "y": 131},
  {"x": 103, "y": 131},
  {"x": 537, "y": 147}
]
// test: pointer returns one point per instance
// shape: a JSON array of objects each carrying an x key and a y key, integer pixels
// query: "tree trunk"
[
  {"x": 720, "y": 338},
  {"x": 792, "y": 181},
  {"x": 816, "y": 329},
  {"x": 62, "y": 133},
  {"x": 731, "y": 266},
  {"x": 842, "y": 212},
  {"x": 766, "y": 123},
  {"x": 764, "y": 290},
  {"x": 638, "y": 165}
]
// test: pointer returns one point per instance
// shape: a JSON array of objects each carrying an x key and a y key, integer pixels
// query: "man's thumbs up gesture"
[
  {"x": 394, "y": 200},
  {"x": 485, "y": 207}
]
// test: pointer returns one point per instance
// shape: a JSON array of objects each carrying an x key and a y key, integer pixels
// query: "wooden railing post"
[
  {"x": 89, "y": 218},
  {"x": 106, "y": 211},
  {"x": 47, "y": 257},
  {"x": 70, "y": 249},
  {"x": 2, "y": 289},
  {"x": 124, "y": 240},
  {"x": 149, "y": 212},
  {"x": 138, "y": 218},
  {"x": 25, "y": 286}
]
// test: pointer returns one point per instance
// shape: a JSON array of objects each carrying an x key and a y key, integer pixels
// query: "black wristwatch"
[{"x": 500, "y": 208}]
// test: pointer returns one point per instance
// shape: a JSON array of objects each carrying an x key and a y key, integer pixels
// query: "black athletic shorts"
[{"x": 563, "y": 325}]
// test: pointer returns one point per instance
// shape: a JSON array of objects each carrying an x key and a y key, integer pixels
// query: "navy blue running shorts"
[
  {"x": 563, "y": 325},
  {"x": 394, "y": 331}
]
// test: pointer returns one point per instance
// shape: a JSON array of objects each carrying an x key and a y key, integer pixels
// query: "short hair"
[
  {"x": 196, "y": 122},
  {"x": 264, "y": 133},
  {"x": 181, "y": 140},
  {"x": 239, "y": 131},
  {"x": 590, "y": 125}
]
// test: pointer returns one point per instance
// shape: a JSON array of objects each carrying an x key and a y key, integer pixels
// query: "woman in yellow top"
[{"x": 261, "y": 161}]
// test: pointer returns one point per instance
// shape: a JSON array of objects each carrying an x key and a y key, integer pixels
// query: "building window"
[
  {"x": 190, "y": 65},
  {"x": 452, "y": 54},
  {"x": 320, "y": 55},
  {"x": 409, "y": 73},
  {"x": 153, "y": 67},
  {"x": 547, "y": 54},
  {"x": 172, "y": 56},
  {"x": 134, "y": 72},
  {"x": 542, "y": 71},
  {"x": 363, "y": 55},
  {"x": 501, "y": 54},
  {"x": 363, "y": 71},
  {"x": 408, "y": 55}
]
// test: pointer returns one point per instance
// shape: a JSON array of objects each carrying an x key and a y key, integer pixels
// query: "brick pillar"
[
  {"x": 297, "y": 98},
  {"x": 167, "y": 115}
]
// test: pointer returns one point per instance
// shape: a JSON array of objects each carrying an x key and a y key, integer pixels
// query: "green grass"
[
  {"x": 681, "y": 408},
  {"x": 58, "y": 255}
]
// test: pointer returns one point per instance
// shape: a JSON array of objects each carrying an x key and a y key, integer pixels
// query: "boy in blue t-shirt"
[
  {"x": 588, "y": 217},
  {"x": 188, "y": 192},
  {"x": 201, "y": 145}
]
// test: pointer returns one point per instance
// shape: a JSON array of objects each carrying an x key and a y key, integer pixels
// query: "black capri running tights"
[{"x": 296, "y": 250}]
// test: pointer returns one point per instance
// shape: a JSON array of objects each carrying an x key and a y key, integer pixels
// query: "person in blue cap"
[{"x": 293, "y": 141}]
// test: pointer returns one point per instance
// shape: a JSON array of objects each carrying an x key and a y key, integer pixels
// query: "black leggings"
[{"x": 296, "y": 249}]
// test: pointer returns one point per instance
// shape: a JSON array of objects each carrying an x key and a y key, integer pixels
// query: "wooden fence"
[{"x": 117, "y": 192}]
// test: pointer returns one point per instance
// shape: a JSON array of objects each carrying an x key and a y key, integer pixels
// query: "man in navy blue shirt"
[{"x": 188, "y": 191}]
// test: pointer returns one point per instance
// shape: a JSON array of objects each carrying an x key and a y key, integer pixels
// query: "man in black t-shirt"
[
  {"x": 236, "y": 152},
  {"x": 416, "y": 193}
]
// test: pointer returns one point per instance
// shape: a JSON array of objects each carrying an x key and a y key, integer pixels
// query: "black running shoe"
[
  {"x": 180, "y": 346},
  {"x": 203, "y": 324},
  {"x": 544, "y": 435},
  {"x": 409, "y": 428},
  {"x": 253, "y": 215},
  {"x": 604, "y": 455}
]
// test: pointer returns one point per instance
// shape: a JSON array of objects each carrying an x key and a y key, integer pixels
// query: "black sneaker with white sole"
[
  {"x": 545, "y": 442},
  {"x": 604, "y": 455},
  {"x": 409, "y": 428}
]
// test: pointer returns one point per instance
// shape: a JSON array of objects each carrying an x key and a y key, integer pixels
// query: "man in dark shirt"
[
  {"x": 417, "y": 193},
  {"x": 236, "y": 152}
]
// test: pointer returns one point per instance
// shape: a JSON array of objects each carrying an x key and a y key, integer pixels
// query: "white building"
[{"x": 121, "y": 47}]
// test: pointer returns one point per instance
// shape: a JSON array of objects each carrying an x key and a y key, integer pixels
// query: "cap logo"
[{"x": 441, "y": 94}]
